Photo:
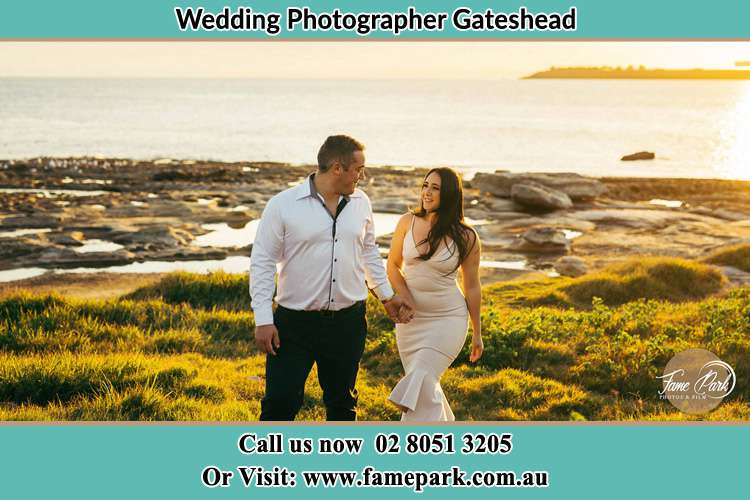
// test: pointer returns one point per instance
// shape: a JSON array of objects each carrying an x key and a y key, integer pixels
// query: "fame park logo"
[{"x": 696, "y": 381}]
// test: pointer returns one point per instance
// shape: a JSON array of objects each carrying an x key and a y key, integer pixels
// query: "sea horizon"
[{"x": 696, "y": 128}]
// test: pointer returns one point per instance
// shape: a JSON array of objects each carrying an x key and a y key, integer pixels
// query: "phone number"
[{"x": 439, "y": 443}]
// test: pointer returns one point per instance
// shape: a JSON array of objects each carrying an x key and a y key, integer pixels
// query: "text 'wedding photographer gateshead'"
[{"x": 303, "y": 19}]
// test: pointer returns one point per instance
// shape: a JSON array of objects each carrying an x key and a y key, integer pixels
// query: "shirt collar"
[{"x": 307, "y": 188}]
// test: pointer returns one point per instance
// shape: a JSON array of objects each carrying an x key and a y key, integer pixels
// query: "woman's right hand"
[{"x": 407, "y": 311}]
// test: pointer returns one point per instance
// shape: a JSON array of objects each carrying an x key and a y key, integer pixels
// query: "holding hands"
[{"x": 399, "y": 309}]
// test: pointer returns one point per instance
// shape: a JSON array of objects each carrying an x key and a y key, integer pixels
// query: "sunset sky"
[{"x": 353, "y": 60}]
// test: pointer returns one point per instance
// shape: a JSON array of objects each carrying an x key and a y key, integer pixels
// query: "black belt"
[{"x": 324, "y": 313}]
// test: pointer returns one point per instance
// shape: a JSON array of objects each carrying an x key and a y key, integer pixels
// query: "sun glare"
[{"x": 735, "y": 163}]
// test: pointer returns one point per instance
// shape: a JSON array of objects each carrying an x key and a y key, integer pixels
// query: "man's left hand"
[{"x": 399, "y": 310}]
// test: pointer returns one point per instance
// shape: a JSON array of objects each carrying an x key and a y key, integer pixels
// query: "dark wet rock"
[
  {"x": 509, "y": 217},
  {"x": 65, "y": 257},
  {"x": 619, "y": 225},
  {"x": 196, "y": 173},
  {"x": 189, "y": 253},
  {"x": 235, "y": 220},
  {"x": 495, "y": 209},
  {"x": 571, "y": 266},
  {"x": 495, "y": 236},
  {"x": 567, "y": 222},
  {"x": 736, "y": 276},
  {"x": 390, "y": 205},
  {"x": 156, "y": 208},
  {"x": 157, "y": 236},
  {"x": 477, "y": 213},
  {"x": 577, "y": 187},
  {"x": 238, "y": 221},
  {"x": 721, "y": 213},
  {"x": 194, "y": 229},
  {"x": 93, "y": 230},
  {"x": 639, "y": 218},
  {"x": 171, "y": 175},
  {"x": 14, "y": 248},
  {"x": 30, "y": 221},
  {"x": 70, "y": 239},
  {"x": 542, "y": 240},
  {"x": 641, "y": 155},
  {"x": 540, "y": 197},
  {"x": 249, "y": 199},
  {"x": 524, "y": 222},
  {"x": 503, "y": 205}
]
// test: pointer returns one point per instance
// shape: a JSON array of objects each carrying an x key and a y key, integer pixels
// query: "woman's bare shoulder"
[
  {"x": 405, "y": 220},
  {"x": 472, "y": 236}
]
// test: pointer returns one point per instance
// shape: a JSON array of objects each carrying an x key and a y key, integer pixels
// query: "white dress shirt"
[{"x": 317, "y": 271}]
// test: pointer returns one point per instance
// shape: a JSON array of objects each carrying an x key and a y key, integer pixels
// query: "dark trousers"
[{"x": 334, "y": 342}]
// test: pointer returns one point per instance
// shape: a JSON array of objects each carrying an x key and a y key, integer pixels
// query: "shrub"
[
  {"x": 659, "y": 278},
  {"x": 735, "y": 255},
  {"x": 214, "y": 290}
]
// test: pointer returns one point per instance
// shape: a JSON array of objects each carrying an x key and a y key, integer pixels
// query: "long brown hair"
[{"x": 450, "y": 218}]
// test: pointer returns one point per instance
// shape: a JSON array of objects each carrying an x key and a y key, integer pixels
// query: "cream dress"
[{"x": 430, "y": 342}]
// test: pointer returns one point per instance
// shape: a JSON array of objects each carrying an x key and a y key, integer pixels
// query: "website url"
[{"x": 369, "y": 477}]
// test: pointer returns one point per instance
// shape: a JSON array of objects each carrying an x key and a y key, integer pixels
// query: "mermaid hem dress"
[{"x": 432, "y": 340}]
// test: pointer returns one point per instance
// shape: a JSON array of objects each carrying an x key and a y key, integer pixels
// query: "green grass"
[
  {"x": 736, "y": 256},
  {"x": 216, "y": 290},
  {"x": 510, "y": 394},
  {"x": 128, "y": 387},
  {"x": 50, "y": 323},
  {"x": 661, "y": 278},
  {"x": 556, "y": 349}
]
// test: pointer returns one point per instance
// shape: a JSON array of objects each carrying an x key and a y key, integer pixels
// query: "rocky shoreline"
[{"x": 58, "y": 213}]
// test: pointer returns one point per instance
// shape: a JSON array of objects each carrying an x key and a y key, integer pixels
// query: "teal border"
[
  {"x": 597, "y": 19},
  {"x": 165, "y": 461}
]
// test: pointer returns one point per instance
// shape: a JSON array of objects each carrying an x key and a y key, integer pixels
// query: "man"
[{"x": 321, "y": 233}]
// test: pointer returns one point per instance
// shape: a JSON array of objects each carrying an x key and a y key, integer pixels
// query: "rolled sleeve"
[{"x": 384, "y": 291}]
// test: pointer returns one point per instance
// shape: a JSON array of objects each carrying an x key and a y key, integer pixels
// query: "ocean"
[{"x": 696, "y": 128}]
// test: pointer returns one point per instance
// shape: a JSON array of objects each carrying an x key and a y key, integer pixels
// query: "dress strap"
[{"x": 410, "y": 234}]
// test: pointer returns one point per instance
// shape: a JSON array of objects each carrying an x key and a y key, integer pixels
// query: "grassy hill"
[{"x": 557, "y": 349}]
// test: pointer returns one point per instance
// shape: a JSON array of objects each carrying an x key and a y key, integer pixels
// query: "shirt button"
[
  {"x": 334, "y": 281},
  {"x": 335, "y": 260},
  {"x": 331, "y": 300}
]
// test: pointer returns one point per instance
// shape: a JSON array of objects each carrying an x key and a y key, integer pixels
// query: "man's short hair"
[{"x": 338, "y": 147}]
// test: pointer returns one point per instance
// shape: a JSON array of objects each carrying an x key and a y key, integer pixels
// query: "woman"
[{"x": 428, "y": 248}]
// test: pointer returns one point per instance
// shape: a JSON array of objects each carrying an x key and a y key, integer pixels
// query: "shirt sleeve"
[
  {"x": 266, "y": 252},
  {"x": 375, "y": 274}
]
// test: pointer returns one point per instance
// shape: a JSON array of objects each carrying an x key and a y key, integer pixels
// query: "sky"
[{"x": 352, "y": 60}]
